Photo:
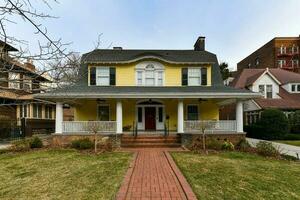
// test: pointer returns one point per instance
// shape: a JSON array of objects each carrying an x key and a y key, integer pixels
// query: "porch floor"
[{"x": 154, "y": 175}]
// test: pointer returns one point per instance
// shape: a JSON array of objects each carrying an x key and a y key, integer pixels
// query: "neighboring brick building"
[{"x": 280, "y": 52}]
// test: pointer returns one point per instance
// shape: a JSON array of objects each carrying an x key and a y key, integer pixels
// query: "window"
[
  {"x": 261, "y": 89},
  {"x": 103, "y": 112},
  {"x": 257, "y": 61},
  {"x": 293, "y": 88},
  {"x": 295, "y": 49},
  {"x": 298, "y": 88},
  {"x": 102, "y": 76},
  {"x": 27, "y": 83},
  {"x": 160, "y": 114},
  {"x": 139, "y": 78},
  {"x": 149, "y": 74},
  {"x": 295, "y": 62},
  {"x": 140, "y": 114},
  {"x": 14, "y": 80},
  {"x": 282, "y": 49},
  {"x": 48, "y": 112},
  {"x": 194, "y": 76},
  {"x": 192, "y": 112},
  {"x": 281, "y": 63},
  {"x": 150, "y": 79},
  {"x": 37, "y": 111},
  {"x": 160, "y": 78},
  {"x": 23, "y": 110},
  {"x": 269, "y": 91}
]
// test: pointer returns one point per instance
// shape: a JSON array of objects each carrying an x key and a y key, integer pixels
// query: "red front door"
[{"x": 150, "y": 118}]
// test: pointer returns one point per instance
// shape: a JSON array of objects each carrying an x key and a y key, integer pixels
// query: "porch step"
[{"x": 150, "y": 141}]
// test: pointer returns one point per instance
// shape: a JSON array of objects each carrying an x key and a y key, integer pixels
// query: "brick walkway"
[{"x": 154, "y": 175}]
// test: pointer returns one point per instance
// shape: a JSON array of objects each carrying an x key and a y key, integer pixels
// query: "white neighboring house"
[{"x": 280, "y": 90}]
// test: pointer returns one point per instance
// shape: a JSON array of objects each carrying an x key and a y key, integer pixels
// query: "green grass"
[
  {"x": 61, "y": 174},
  {"x": 234, "y": 175},
  {"x": 291, "y": 142}
]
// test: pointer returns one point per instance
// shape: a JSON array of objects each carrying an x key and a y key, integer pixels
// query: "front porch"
[{"x": 148, "y": 116}]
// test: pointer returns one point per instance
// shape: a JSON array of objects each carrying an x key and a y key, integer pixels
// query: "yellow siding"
[
  {"x": 125, "y": 74},
  {"x": 86, "y": 110}
]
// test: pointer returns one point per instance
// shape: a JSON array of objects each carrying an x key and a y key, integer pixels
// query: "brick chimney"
[
  {"x": 29, "y": 65},
  {"x": 200, "y": 44}
]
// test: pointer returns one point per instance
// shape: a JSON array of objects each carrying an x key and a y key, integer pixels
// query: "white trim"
[
  {"x": 239, "y": 116},
  {"x": 154, "y": 95},
  {"x": 59, "y": 118},
  {"x": 141, "y": 126},
  {"x": 180, "y": 117},
  {"x": 270, "y": 74},
  {"x": 186, "y": 111},
  {"x": 119, "y": 117},
  {"x": 147, "y": 57},
  {"x": 142, "y": 68}
]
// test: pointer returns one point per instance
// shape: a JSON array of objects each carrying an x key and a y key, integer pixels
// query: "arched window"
[{"x": 149, "y": 73}]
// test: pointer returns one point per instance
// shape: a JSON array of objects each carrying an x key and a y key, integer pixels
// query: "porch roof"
[{"x": 81, "y": 92}]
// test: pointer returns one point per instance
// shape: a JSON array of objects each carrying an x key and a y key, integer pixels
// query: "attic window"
[
  {"x": 149, "y": 74},
  {"x": 257, "y": 61}
]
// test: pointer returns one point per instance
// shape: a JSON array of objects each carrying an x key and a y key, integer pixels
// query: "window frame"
[
  {"x": 187, "y": 112},
  {"x": 269, "y": 92},
  {"x": 101, "y": 76},
  {"x": 39, "y": 111},
  {"x": 14, "y": 80},
  {"x": 143, "y": 71},
  {"x": 194, "y": 76},
  {"x": 109, "y": 111}
]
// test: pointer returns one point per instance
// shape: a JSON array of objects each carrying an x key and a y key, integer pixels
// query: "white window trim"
[
  {"x": 296, "y": 88},
  {"x": 186, "y": 113},
  {"x": 14, "y": 80},
  {"x": 37, "y": 111},
  {"x": 200, "y": 78},
  {"x": 158, "y": 68},
  {"x": 101, "y": 76}
]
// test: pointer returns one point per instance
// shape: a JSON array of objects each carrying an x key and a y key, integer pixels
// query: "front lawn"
[
  {"x": 234, "y": 175},
  {"x": 61, "y": 174},
  {"x": 290, "y": 142}
]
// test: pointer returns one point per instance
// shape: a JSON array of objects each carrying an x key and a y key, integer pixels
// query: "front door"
[{"x": 150, "y": 118}]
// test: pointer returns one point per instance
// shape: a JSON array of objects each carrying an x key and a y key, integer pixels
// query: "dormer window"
[
  {"x": 149, "y": 74},
  {"x": 194, "y": 76},
  {"x": 102, "y": 76}
]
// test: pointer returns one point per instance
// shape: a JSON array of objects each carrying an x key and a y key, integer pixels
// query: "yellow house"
[{"x": 149, "y": 91}]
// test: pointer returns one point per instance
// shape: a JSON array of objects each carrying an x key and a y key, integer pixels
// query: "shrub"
[
  {"x": 214, "y": 144},
  {"x": 292, "y": 137},
  {"x": 295, "y": 122},
  {"x": 35, "y": 142},
  {"x": 21, "y": 145},
  {"x": 266, "y": 149},
  {"x": 243, "y": 145},
  {"x": 227, "y": 146},
  {"x": 273, "y": 124},
  {"x": 82, "y": 144}
]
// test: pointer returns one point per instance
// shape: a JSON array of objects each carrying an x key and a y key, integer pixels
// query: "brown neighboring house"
[
  {"x": 18, "y": 82},
  {"x": 280, "y": 90},
  {"x": 280, "y": 52}
]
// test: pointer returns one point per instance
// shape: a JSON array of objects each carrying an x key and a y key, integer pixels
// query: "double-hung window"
[
  {"x": 192, "y": 112},
  {"x": 102, "y": 76},
  {"x": 139, "y": 78},
  {"x": 103, "y": 112},
  {"x": 37, "y": 110},
  {"x": 14, "y": 80},
  {"x": 160, "y": 78},
  {"x": 194, "y": 76},
  {"x": 269, "y": 93},
  {"x": 150, "y": 78},
  {"x": 261, "y": 89},
  {"x": 48, "y": 112},
  {"x": 23, "y": 110}
]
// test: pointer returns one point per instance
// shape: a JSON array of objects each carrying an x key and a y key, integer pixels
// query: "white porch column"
[
  {"x": 180, "y": 119},
  {"x": 59, "y": 118},
  {"x": 119, "y": 116},
  {"x": 239, "y": 116}
]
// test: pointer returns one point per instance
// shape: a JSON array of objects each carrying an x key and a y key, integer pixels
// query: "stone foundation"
[
  {"x": 187, "y": 139},
  {"x": 61, "y": 140}
]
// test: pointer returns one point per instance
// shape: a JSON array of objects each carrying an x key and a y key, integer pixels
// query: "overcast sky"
[{"x": 233, "y": 28}]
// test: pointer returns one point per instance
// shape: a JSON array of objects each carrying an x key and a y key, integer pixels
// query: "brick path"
[{"x": 154, "y": 175}]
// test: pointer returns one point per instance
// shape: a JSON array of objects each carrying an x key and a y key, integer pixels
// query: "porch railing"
[
  {"x": 88, "y": 126},
  {"x": 210, "y": 125}
]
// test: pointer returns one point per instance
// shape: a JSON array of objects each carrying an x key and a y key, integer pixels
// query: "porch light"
[{"x": 100, "y": 100}]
